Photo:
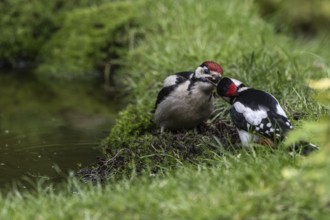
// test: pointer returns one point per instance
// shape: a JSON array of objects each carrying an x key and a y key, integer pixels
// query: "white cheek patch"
[
  {"x": 254, "y": 117},
  {"x": 199, "y": 72}
]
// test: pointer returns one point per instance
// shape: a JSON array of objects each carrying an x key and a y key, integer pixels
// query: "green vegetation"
[
  {"x": 82, "y": 43},
  {"x": 204, "y": 176},
  {"x": 251, "y": 184},
  {"x": 244, "y": 44},
  {"x": 297, "y": 16},
  {"x": 65, "y": 39}
]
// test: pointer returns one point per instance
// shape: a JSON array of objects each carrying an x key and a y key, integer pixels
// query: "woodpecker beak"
[{"x": 213, "y": 79}]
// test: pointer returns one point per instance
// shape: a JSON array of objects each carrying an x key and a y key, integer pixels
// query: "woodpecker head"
[
  {"x": 209, "y": 72},
  {"x": 229, "y": 88}
]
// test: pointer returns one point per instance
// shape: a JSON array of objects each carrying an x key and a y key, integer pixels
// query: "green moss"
[
  {"x": 153, "y": 152},
  {"x": 134, "y": 121},
  {"x": 81, "y": 44}
]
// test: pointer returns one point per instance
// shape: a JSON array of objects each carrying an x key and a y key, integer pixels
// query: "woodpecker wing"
[
  {"x": 177, "y": 78},
  {"x": 185, "y": 74},
  {"x": 170, "y": 84},
  {"x": 255, "y": 110}
]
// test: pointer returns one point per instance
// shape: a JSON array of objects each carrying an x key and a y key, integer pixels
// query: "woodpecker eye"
[{"x": 206, "y": 70}]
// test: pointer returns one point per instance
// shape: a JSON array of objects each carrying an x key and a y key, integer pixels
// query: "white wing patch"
[
  {"x": 170, "y": 80},
  {"x": 280, "y": 111},
  {"x": 254, "y": 117}
]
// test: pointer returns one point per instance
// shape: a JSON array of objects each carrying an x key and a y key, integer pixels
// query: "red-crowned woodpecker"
[
  {"x": 254, "y": 112},
  {"x": 186, "y": 98}
]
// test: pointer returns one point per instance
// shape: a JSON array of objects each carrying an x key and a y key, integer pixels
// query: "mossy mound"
[{"x": 154, "y": 152}]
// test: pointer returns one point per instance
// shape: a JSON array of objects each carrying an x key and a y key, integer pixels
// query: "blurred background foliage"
[
  {"x": 62, "y": 38},
  {"x": 316, "y": 166},
  {"x": 70, "y": 39},
  {"x": 304, "y": 18}
]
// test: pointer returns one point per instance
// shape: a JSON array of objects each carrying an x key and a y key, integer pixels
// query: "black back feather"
[
  {"x": 185, "y": 74},
  {"x": 254, "y": 99}
]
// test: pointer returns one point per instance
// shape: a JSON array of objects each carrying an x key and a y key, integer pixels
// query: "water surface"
[{"x": 50, "y": 129}]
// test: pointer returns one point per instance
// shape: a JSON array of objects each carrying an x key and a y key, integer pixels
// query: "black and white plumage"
[
  {"x": 186, "y": 98},
  {"x": 255, "y": 112}
]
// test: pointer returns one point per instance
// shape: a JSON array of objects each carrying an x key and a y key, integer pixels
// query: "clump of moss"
[
  {"x": 135, "y": 120},
  {"x": 154, "y": 152}
]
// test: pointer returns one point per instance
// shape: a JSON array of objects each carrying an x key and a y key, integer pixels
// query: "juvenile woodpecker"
[
  {"x": 186, "y": 98},
  {"x": 254, "y": 112}
]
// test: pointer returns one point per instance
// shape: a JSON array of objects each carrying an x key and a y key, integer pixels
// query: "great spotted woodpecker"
[
  {"x": 186, "y": 98},
  {"x": 255, "y": 112}
]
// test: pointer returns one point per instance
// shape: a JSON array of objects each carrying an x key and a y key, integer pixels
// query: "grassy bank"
[
  {"x": 204, "y": 176},
  {"x": 231, "y": 33},
  {"x": 250, "y": 185}
]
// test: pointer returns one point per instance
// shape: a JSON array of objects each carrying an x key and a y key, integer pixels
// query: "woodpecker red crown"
[{"x": 213, "y": 66}]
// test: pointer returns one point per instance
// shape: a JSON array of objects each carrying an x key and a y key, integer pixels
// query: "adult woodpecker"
[
  {"x": 254, "y": 112},
  {"x": 186, "y": 98}
]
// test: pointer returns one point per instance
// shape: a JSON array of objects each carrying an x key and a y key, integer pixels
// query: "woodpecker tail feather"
[{"x": 303, "y": 148}]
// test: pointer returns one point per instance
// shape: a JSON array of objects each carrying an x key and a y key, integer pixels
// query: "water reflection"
[{"x": 46, "y": 129}]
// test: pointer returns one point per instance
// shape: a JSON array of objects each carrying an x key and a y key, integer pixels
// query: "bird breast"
[{"x": 184, "y": 108}]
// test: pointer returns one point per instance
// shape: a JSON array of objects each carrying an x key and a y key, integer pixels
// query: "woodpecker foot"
[{"x": 265, "y": 141}]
